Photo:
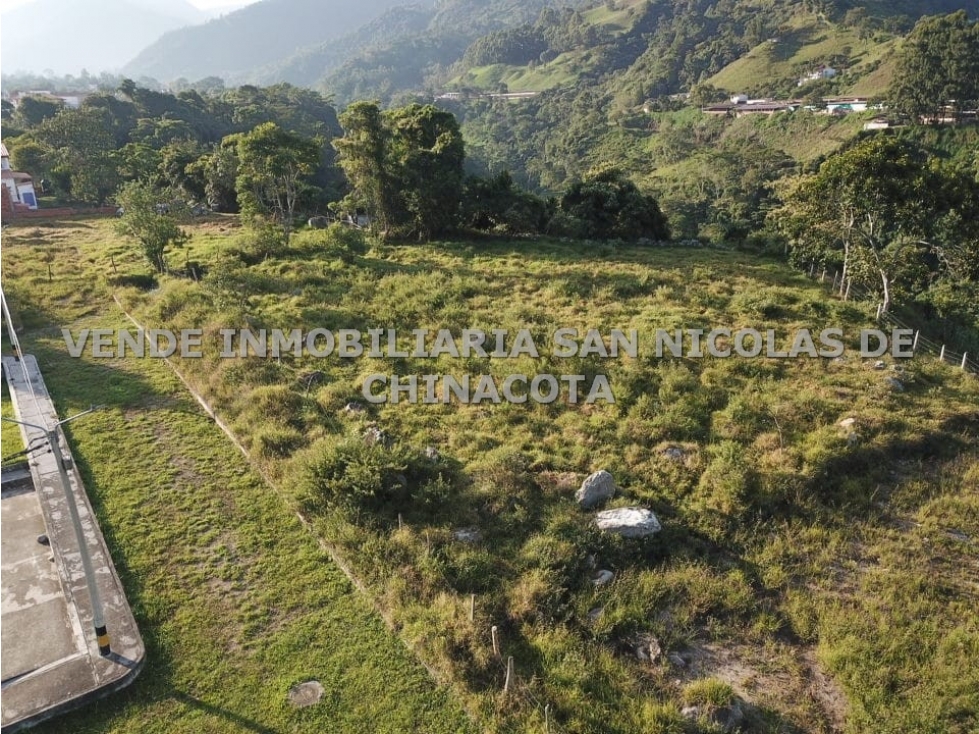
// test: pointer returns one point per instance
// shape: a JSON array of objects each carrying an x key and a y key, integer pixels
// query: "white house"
[
  {"x": 19, "y": 185},
  {"x": 825, "y": 72}
]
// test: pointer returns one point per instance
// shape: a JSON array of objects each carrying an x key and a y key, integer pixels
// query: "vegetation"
[{"x": 788, "y": 545}]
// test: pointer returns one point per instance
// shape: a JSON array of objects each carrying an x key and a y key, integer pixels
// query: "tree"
[
  {"x": 883, "y": 209},
  {"x": 363, "y": 158},
  {"x": 82, "y": 153},
  {"x": 939, "y": 67},
  {"x": 150, "y": 216},
  {"x": 609, "y": 206},
  {"x": 427, "y": 153},
  {"x": 273, "y": 166},
  {"x": 405, "y": 165}
]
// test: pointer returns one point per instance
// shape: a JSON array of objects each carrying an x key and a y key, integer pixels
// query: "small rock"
[
  {"x": 673, "y": 452},
  {"x": 847, "y": 422},
  {"x": 354, "y": 408},
  {"x": 603, "y": 577},
  {"x": 894, "y": 384},
  {"x": 375, "y": 436},
  {"x": 880, "y": 365},
  {"x": 43, "y": 540},
  {"x": 629, "y": 522},
  {"x": 306, "y": 694},
  {"x": 677, "y": 660},
  {"x": 690, "y": 712},
  {"x": 595, "y": 489},
  {"x": 595, "y": 613},
  {"x": 648, "y": 649},
  {"x": 432, "y": 453},
  {"x": 467, "y": 535}
]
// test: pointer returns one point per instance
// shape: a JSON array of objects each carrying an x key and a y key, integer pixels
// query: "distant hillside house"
[
  {"x": 18, "y": 187},
  {"x": 824, "y": 72},
  {"x": 843, "y": 105}
]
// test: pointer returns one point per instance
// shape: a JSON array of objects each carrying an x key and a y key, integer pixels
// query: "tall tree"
[
  {"x": 83, "y": 148},
  {"x": 273, "y": 168},
  {"x": 939, "y": 67},
  {"x": 608, "y": 205},
  {"x": 405, "y": 165}
]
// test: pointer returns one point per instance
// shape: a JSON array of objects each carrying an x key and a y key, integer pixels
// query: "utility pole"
[{"x": 98, "y": 615}]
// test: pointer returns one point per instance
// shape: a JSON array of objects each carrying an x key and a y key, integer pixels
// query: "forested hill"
[
  {"x": 379, "y": 48},
  {"x": 259, "y": 34}
]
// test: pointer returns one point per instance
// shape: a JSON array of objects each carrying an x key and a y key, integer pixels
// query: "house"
[
  {"x": 18, "y": 187},
  {"x": 824, "y": 72},
  {"x": 845, "y": 105}
]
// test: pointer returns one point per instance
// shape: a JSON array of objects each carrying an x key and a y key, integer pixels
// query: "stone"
[
  {"x": 723, "y": 718},
  {"x": 894, "y": 384},
  {"x": 43, "y": 539},
  {"x": 677, "y": 660},
  {"x": 353, "y": 408},
  {"x": 602, "y": 577},
  {"x": 594, "y": 614},
  {"x": 375, "y": 436},
  {"x": 306, "y": 694},
  {"x": 847, "y": 422},
  {"x": 673, "y": 452},
  {"x": 880, "y": 365},
  {"x": 596, "y": 489},
  {"x": 467, "y": 535},
  {"x": 629, "y": 522},
  {"x": 648, "y": 649}
]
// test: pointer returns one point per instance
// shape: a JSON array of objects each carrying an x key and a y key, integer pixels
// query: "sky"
[{"x": 6, "y": 5}]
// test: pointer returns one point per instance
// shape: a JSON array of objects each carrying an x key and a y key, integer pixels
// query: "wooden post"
[
  {"x": 836, "y": 277},
  {"x": 472, "y": 607},
  {"x": 496, "y": 641},
  {"x": 822, "y": 278},
  {"x": 914, "y": 347},
  {"x": 49, "y": 273},
  {"x": 547, "y": 719},
  {"x": 112, "y": 260},
  {"x": 965, "y": 360},
  {"x": 879, "y": 307},
  {"x": 941, "y": 356},
  {"x": 400, "y": 522},
  {"x": 846, "y": 296},
  {"x": 812, "y": 270},
  {"x": 510, "y": 680}
]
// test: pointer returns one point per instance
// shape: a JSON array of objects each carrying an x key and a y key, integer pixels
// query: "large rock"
[
  {"x": 596, "y": 489},
  {"x": 629, "y": 522}
]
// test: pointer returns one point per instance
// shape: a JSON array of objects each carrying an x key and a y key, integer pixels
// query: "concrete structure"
[{"x": 51, "y": 658}]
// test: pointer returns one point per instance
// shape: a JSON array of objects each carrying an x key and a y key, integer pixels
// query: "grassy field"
[
  {"x": 823, "y": 575},
  {"x": 235, "y": 601}
]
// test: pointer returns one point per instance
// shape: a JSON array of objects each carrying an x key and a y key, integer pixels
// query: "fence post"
[
  {"x": 822, "y": 278},
  {"x": 812, "y": 270},
  {"x": 879, "y": 307},
  {"x": 472, "y": 607},
  {"x": 914, "y": 347},
  {"x": 509, "y": 674},
  {"x": 547, "y": 718},
  {"x": 965, "y": 360},
  {"x": 836, "y": 277},
  {"x": 941, "y": 357},
  {"x": 846, "y": 296},
  {"x": 496, "y": 641}
]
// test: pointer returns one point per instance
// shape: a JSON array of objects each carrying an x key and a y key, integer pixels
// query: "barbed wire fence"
[{"x": 849, "y": 289}]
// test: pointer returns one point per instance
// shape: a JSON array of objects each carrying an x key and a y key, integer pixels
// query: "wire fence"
[{"x": 849, "y": 289}]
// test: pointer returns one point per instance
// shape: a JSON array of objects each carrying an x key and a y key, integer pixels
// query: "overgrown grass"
[{"x": 818, "y": 572}]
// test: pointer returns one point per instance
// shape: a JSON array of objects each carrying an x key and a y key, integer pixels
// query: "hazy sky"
[{"x": 202, "y": 4}]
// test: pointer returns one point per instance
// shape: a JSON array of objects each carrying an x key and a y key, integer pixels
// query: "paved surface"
[{"x": 51, "y": 661}]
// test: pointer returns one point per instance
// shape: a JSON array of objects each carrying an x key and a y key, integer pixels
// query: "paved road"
[{"x": 51, "y": 661}]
